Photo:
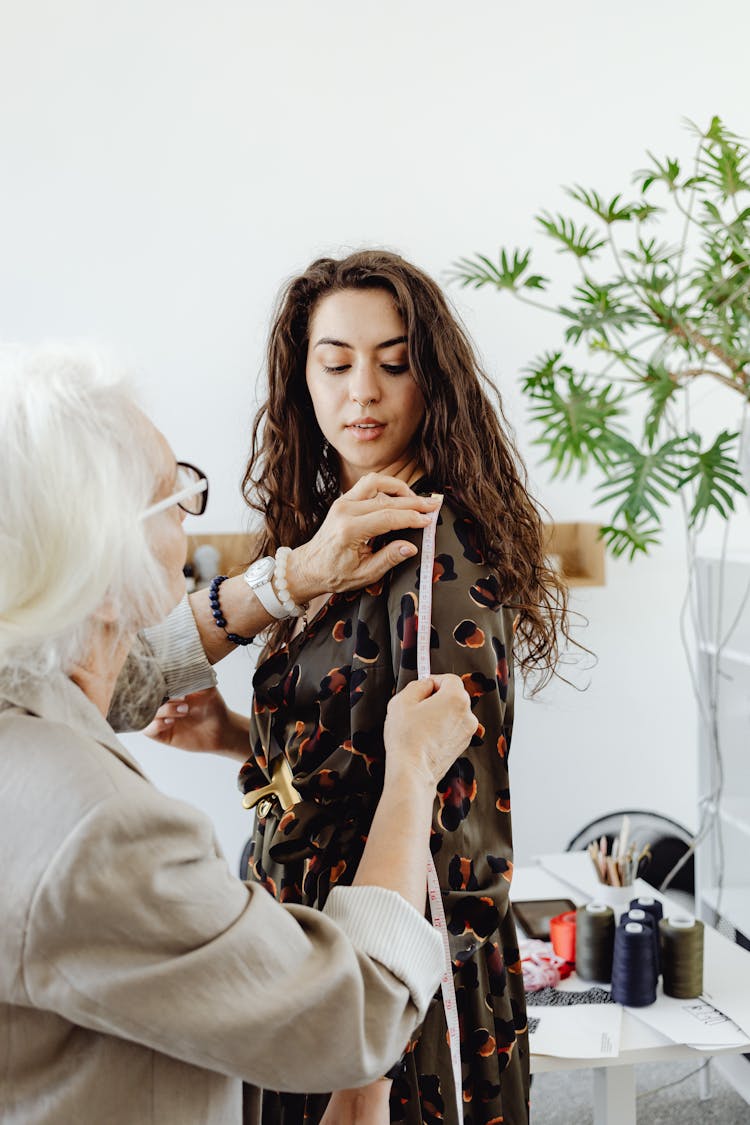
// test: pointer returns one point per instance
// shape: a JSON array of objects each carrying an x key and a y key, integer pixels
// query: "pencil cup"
[{"x": 616, "y": 897}]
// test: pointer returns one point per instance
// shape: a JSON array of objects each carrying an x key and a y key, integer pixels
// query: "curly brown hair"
[{"x": 292, "y": 476}]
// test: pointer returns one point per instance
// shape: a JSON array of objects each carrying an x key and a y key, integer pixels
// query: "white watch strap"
[{"x": 266, "y": 595}]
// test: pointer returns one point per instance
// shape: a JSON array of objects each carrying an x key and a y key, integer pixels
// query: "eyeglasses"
[{"x": 191, "y": 495}]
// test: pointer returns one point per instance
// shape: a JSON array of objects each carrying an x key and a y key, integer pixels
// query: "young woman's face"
[{"x": 366, "y": 400}]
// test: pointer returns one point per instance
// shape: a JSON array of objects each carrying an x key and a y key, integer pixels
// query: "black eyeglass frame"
[
  {"x": 203, "y": 496},
  {"x": 199, "y": 488}
]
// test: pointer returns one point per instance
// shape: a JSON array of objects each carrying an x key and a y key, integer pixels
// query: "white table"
[{"x": 570, "y": 876}]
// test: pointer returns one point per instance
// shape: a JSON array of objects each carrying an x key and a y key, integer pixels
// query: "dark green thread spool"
[
  {"x": 595, "y": 941},
  {"x": 681, "y": 941}
]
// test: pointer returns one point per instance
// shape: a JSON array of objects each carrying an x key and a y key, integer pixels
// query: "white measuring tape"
[{"x": 424, "y": 626}]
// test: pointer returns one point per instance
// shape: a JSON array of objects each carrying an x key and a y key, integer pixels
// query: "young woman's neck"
[{"x": 407, "y": 469}]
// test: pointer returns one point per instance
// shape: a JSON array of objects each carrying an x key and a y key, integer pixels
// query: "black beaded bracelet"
[{"x": 218, "y": 616}]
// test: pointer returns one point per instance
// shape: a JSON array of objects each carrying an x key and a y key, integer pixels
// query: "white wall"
[{"x": 164, "y": 166}]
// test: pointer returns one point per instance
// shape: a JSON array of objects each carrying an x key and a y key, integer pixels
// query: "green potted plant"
[{"x": 661, "y": 300}]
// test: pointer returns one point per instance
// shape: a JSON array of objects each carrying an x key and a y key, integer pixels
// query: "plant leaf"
[
  {"x": 609, "y": 213},
  {"x": 630, "y": 538},
  {"x": 507, "y": 273},
  {"x": 724, "y": 161},
  {"x": 666, "y": 172},
  {"x": 580, "y": 241},
  {"x": 578, "y": 422},
  {"x": 639, "y": 481},
  {"x": 600, "y": 307},
  {"x": 540, "y": 375},
  {"x": 651, "y": 253},
  {"x": 718, "y": 478},
  {"x": 661, "y": 386}
]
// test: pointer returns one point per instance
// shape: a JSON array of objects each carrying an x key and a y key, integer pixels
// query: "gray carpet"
[{"x": 565, "y": 1098}]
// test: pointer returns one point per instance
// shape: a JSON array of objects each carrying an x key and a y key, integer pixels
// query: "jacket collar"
[{"x": 57, "y": 699}]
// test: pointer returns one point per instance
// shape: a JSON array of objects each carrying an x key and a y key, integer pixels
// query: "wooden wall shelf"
[
  {"x": 235, "y": 549},
  {"x": 578, "y": 552},
  {"x": 575, "y": 548}
]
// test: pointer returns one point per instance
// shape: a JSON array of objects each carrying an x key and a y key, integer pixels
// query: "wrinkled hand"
[
  {"x": 428, "y": 725},
  {"x": 365, "y": 1105},
  {"x": 200, "y": 721},
  {"x": 339, "y": 556}
]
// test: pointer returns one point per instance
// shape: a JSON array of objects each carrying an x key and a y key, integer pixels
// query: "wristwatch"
[{"x": 258, "y": 577}]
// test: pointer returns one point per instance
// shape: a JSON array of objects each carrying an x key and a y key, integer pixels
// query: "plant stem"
[{"x": 693, "y": 336}]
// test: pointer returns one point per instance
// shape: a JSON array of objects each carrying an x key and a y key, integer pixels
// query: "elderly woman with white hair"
[{"x": 136, "y": 972}]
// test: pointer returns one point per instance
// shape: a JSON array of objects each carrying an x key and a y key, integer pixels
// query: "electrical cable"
[{"x": 677, "y": 1081}]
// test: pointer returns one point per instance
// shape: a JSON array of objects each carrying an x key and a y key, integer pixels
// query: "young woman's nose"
[{"x": 363, "y": 384}]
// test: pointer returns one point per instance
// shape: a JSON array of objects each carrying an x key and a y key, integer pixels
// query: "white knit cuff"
[
  {"x": 387, "y": 928},
  {"x": 176, "y": 645}
]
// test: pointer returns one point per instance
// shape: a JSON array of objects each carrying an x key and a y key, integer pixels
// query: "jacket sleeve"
[
  {"x": 165, "y": 661},
  {"x": 471, "y": 636},
  {"x": 139, "y": 930}
]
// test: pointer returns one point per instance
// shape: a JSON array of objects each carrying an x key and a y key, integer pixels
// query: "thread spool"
[
  {"x": 562, "y": 934},
  {"x": 682, "y": 956},
  {"x": 637, "y": 915},
  {"x": 595, "y": 936},
  {"x": 652, "y": 906},
  {"x": 634, "y": 965}
]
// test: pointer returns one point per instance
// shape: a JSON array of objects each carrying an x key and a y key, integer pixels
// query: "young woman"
[{"x": 370, "y": 372}]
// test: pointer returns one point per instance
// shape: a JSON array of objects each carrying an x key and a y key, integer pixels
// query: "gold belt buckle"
[{"x": 280, "y": 787}]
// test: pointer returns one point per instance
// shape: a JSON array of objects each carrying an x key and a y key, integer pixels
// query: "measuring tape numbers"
[{"x": 434, "y": 894}]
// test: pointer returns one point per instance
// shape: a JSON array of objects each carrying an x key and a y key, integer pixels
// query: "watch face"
[{"x": 260, "y": 572}]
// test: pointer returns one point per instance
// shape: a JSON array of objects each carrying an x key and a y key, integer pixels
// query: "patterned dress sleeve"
[{"x": 471, "y": 636}]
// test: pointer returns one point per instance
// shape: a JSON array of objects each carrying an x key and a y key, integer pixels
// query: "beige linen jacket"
[{"x": 140, "y": 981}]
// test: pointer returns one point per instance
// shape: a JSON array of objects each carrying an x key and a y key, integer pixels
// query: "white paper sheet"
[
  {"x": 534, "y": 883},
  {"x": 693, "y": 1022},
  {"x": 582, "y": 1031}
]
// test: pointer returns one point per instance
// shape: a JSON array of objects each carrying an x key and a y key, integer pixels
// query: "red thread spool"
[{"x": 562, "y": 932}]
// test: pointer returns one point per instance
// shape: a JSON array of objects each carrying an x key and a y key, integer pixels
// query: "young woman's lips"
[{"x": 366, "y": 429}]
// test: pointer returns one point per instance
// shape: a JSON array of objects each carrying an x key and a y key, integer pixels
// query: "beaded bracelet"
[
  {"x": 279, "y": 575},
  {"x": 218, "y": 616}
]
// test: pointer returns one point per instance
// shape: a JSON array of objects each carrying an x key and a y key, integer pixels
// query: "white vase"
[{"x": 618, "y": 898}]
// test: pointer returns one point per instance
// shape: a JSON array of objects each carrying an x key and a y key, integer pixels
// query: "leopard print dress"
[{"x": 321, "y": 701}]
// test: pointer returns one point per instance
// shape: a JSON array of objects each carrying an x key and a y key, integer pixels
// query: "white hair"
[{"x": 78, "y": 467}]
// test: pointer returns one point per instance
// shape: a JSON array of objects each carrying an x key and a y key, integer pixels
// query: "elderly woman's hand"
[
  {"x": 340, "y": 556},
  {"x": 428, "y": 725},
  {"x": 201, "y": 721}
]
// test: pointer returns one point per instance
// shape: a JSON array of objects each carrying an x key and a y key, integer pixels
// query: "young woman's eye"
[
  {"x": 335, "y": 370},
  {"x": 395, "y": 368}
]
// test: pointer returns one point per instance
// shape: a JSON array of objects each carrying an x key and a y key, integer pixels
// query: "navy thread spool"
[
  {"x": 637, "y": 915},
  {"x": 652, "y": 906},
  {"x": 634, "y": 966},
  {"x": 595, "y": 938},
  {"x": 682, "y": 956}
]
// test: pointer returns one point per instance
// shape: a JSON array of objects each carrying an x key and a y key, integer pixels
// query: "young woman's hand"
[
  {"x": 201, "y": 721},
  {"x": 339, "y": 556},
  {"x": 366, "y": 1105},
  {"x": 428, "y": 725}
]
